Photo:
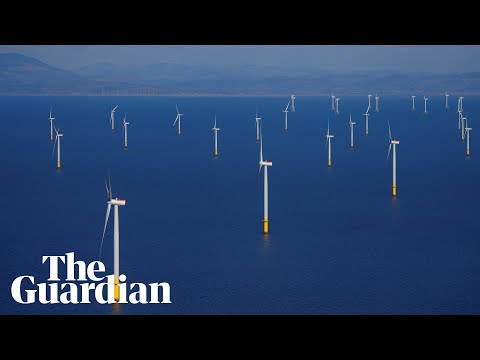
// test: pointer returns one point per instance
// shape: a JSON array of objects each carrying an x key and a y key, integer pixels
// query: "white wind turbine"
[
  {"x": 328, "y": 142},
  {"x": 51, "y": 124},
  {"x": 333, "y": 102},
  {"x": 112, "y": 117},
  {"x": 178, "y": 118},
  {"x": 116, "y": 235},
  {"x": 446, "y": 100},
  {"x": 376, "y": 102},
  {"x": 215, "y": 130},
  {"x": 459, "y": 119},
  {"x": 351, "y": 123},
  {"x": 293, "y": 102},
  {"x": 57, "y": 140},
  {"x": 463, "y": 127},
  {"x": 461, "y": 103},
  {"x": 394, "y": 143},
  {"x": 425, "y": 99},
  {"x": 413, "y": 102},
  {"x": 369, "y": 96},
  {"x": 467, "y": 129},
  {"x": 125, "y": 123},
  {"x": 366, "y": 120},
  {"x": 257, "y": 122},
  {"x": 337, "y": 100},
  {"x": 286, "y": 115},
  {"x": 265, "y": 165}
]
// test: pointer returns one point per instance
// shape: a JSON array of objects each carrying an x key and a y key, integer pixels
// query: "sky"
[{"x": 403, "y": 58}]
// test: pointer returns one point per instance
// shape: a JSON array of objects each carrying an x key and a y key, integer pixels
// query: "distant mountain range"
[{"x": 21, "y": 74}]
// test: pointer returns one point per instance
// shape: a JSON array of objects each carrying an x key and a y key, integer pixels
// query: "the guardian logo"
[{"x": 84, "y": 283}]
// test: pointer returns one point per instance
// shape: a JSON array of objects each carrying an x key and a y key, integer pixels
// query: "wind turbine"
[
  {"x": 286, "y": 115},
  {"x": 293, "y": 102},
  {"x": 257, "y": 121},
  {"x": 467, "y": 129},
  {"x": 333, "y": 102},
  {"x": 112, "y": 117},
  {"x": 369, "y": 96},
  {"x": 461, "y": 103},
  {"x": 337, "y": 99},
  {"x": 116, "y": 235},
  {"x": 366, "y": 121},
  {"x": 351, "y": 130},
  {"x": 215, "y": 130},
  {"x": 125, "y": 123},
  {"x": 51, "y": 124},
  {"x": 394, "y": 143},
  {"x": 413, "y": 102},
  {"x": 57, "y": 140},
  {"x": 376, "y": 102},
  {"x": 178, "y": 118},
  {"x": 463, "y": 127},
  {"x": 459, "y": 118},
  {"x": 425, "y": 99},
  {"x": 265, "y": 165},
  {"x": 446, "y": 100},
  {"x": 328, "y": 142}
]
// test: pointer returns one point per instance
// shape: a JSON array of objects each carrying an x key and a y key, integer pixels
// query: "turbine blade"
[
  {"x": 107, "y": 215},
  {"x": 261, "y": 146},
  {"x": 259, "y": 170},
  {"x": 389, "y": 132},
  {"x": 109, "y": 188},
  {"x": 389, "y": 148},
  {"x": 175, "y": 120},
  {"x": 178, "y": 112}
]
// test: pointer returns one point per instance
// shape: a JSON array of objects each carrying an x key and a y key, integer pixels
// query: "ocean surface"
[{"x": 338, "y": 243}]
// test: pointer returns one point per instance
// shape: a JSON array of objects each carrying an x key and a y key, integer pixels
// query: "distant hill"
[{"x": 21, "y": 74}]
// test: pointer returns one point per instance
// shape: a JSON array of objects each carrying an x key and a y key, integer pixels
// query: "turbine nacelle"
[
  {"x": 265, "y": 163},
  {"x": 117, "y": 201}
]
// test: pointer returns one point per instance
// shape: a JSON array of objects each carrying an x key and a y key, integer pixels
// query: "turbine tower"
[
  {"x": 376, "y": 102},
  {"x": 351, "y": 130},
  {"x": 461, "y": 103},
  {"x": 337, "y": 100},
  {"x": 116, "y": 236},
  {"x": 215, "y": 130},
  {"x": 394, "y": 143},
  {"x": 369, "y": 96},
  {"x": 51, "y": 124},
  {"x": 57, "y": 140},
  {"x": 425, "y": 99},
  {"x": 413, "y": 102},
  {"x": 125, "y": 139},
  {"x": 366, "y": 121},
  {"x": 467, "y": 129},
  {"x": 446, "y": 100},
  {"x": 257, "y": 122},
  {"x": 265, "y": 165},
  {"x": 178, "y": 118},
  {"x": 459, "y": 119},
  {"x": 463, "y": 127},
  {"x": 328, "y": 142},
  {"x": 286, "y": 115},
  {"x": 112, "y": 117},
  {"x": 333, "y": 102},
  {"x": 293, "y": 103}
]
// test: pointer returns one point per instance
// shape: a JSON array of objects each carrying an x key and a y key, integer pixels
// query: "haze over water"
[{"x": 338, "y": 242}]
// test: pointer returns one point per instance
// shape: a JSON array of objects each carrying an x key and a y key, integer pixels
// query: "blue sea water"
[{"x": 338, "y": 243}]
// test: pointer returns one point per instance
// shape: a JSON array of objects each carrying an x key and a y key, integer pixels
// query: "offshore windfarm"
[{"x": 370, "y": 208}]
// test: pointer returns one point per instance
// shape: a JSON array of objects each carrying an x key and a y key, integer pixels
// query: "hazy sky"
[{"x": 432, "y": 58}]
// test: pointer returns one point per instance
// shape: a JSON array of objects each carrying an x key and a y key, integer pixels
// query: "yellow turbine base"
[
  {"x": 116, "y": 288},
  {"x": 58, "y": 164},
  {"x": 463, "y": 138},
  {"x": 51, "y": 137},
  {"x": 394, "y": 190},
  {"x": 216, "y": 152},
  {"x": 126, "y": 144},
  {"x": 468, "y": 152},
  {"x": 329, "y": 162},
  {"x": 265, "y": 226},
  {"x": 366, "y": 132}
]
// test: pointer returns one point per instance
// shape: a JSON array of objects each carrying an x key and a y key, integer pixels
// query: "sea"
[{"x": 339, "y": 243}]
